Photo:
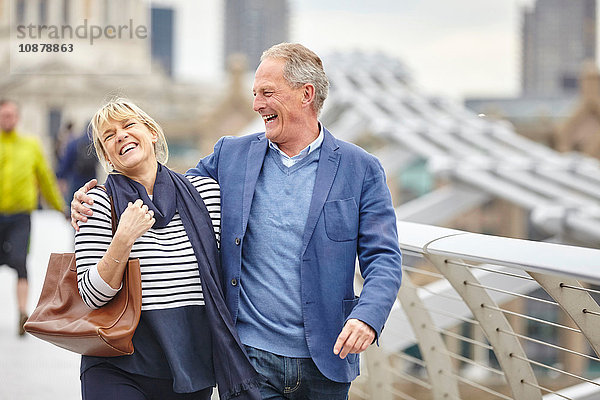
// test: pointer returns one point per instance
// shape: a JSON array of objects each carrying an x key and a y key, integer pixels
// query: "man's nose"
[{"x": 258, "y": 103}]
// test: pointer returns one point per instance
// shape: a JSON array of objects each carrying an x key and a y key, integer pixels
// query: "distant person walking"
[
  {"x": 23, "y": 171},
  {"x": 77, "y": 165}
]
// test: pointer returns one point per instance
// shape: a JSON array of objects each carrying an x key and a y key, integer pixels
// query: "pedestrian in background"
[
  {"x": 23, "y": 172},
  {"x": 77, "y": 165}
]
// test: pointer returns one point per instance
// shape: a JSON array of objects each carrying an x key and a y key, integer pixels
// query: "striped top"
[{"x": 169, "y": 270}]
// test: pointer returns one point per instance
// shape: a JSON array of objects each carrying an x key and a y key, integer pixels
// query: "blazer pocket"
[{"x": 341, "y": 219}]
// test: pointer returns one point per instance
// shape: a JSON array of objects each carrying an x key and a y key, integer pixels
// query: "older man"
[
  {"x": 298, "y": 206},
  {"x": 23, "y": 170}
]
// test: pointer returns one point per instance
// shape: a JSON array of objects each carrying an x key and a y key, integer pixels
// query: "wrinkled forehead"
[
  {"x": 270, "y": 72},
  {"x": 270, "y": 66},
  {"x": 109, "y": 118},
  {"x": 107, "y": 124}
]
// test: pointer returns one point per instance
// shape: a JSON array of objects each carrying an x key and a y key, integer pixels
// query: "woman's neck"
[{"x": 147, "y": 178}]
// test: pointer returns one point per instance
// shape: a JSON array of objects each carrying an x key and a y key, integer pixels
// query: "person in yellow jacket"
[{"x": 23, "y": 170}]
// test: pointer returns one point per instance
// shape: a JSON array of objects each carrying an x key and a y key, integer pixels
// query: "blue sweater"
[{"x": 270, "y": 313}]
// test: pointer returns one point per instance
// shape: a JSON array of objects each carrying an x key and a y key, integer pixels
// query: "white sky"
[{"x": 453, "y": 48}]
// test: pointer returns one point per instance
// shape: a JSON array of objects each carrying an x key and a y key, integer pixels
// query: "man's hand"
[
  {"x": 78, "y": 210},
  {"x": 355, "y": 338}
]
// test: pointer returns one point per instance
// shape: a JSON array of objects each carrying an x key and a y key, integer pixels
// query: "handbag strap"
[{"x": 113, "y": 215}]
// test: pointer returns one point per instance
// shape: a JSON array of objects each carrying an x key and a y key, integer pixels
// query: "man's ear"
[{"x": 308, "y": 94}]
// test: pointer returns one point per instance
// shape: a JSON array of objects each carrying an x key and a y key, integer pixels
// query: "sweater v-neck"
[{"x": 291, "y": 169}]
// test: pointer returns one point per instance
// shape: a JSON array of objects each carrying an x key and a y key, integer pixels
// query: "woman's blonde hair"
[{"x": 119, "y": 110}]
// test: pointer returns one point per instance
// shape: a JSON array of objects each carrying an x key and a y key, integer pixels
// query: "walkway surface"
[{"x": 31, "y": 369}]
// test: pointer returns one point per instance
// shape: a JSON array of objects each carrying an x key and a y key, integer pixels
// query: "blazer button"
[
  {"x": 237, "y": 241},
  {"x": 234, "y": 282}
]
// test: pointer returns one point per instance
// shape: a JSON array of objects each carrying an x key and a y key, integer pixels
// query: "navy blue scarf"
[{"x": 236, "y": 378}]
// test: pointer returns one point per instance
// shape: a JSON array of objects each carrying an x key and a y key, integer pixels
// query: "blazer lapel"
[
  {"x": 256, "y": 156},
  {"x": 329, "y": 161}
]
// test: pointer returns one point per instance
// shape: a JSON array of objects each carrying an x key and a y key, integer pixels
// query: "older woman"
[{"x": 185, "y": 341}]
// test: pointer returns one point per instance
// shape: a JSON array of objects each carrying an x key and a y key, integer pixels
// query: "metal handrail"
[
  {"x": 551, "y": 258},
  {"x": 484, "y": 276}
]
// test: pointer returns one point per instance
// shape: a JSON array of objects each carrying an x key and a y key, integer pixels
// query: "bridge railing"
[{"x": 487, "y": 317}]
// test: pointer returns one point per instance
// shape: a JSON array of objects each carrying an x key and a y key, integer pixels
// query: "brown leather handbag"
[{"x": 63, "y": 319}]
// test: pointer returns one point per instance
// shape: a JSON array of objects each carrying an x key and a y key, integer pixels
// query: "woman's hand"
[{"x": 135, "y": 221}]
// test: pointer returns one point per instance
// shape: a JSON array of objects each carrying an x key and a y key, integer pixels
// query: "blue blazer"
[{"x": 350, "y": 214}]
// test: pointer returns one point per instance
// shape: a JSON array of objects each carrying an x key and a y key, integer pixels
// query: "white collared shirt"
[{"x": 289, "y": 161}]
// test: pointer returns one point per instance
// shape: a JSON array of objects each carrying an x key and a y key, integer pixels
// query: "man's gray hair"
[{"x": 301, "y": 66}]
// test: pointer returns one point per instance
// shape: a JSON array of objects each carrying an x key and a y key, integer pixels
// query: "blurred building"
[
  {"x": 162, "y": 46},
  {"x": 251, "y": 26},
  {"x": 233, "y": 111},
  {"x": 558, "y": 38},
  {"x": 580, "y": 132},
  {"x": 57, "y": 87}
]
